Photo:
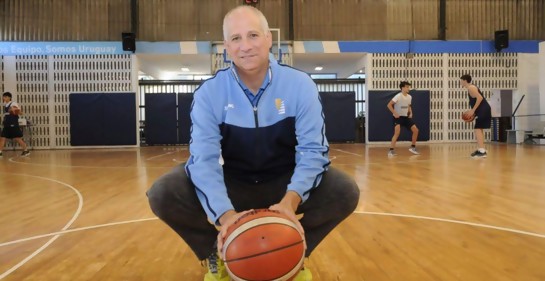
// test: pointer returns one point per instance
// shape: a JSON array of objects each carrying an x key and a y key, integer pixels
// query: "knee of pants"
[
  {"x": 352, "y": 196},
  {"x": 347, "y": 192},
  {"x": 163, "y": 193},
  {"x": 157, "y": 196}
]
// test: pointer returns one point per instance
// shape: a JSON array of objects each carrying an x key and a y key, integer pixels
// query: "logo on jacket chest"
[{"x": 279, "y": 103}]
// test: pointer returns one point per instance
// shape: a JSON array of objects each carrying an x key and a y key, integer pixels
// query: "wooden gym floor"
[{"x": 83, "y": 215}]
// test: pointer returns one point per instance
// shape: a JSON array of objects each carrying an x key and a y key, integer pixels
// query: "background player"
[
  {"x": 400, "y": 106},
  {"x": 11, "y": 124},
  {"x": 482, "y": 111}
]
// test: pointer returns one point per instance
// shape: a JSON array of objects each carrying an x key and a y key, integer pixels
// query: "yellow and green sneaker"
[
  {"x": 216, "y": 269},
  {"x": 303, "y": 275}
]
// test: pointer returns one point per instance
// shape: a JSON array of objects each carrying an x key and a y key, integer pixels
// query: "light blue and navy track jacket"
[{"x": 260, "y": 137}]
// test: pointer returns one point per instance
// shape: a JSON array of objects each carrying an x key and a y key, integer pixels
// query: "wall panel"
[
  {"x": 63, "y": 20},
  {"x": 477, "y": 20},
  {"x": 198, "y": 20},
  {"x": 201, "y": 20}
]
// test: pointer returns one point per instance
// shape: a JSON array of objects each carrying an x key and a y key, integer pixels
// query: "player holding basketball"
[
  {"x": 482, "y": 112},
  {"x": 266, "y": 120},
  {"x": 11, "y": 124},
  {"x": 401, "y": 109}
]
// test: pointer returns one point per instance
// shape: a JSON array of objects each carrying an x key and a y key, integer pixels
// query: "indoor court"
[
  {"x": 101, "y": 98},
  {"x": 441, "y": 215}
]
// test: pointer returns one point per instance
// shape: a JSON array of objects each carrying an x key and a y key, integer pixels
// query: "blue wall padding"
[
  {"x": 161, "y": 125},
  {"x": 102, "y": 119},
  {"x": 339, "y": 111},
  {"x": 380, "y": 119},
  {"x": 184, "y": 120},
  {"x": 340, "y": 115}
]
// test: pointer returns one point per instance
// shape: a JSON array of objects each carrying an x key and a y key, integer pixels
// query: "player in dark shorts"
[
  {"x": 401, "y": 109},
  {"x": 10, "y": 121},
  {"x": 482, "y": 111}
]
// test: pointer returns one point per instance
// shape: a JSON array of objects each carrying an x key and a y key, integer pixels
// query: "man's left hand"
[{"x": 288, "y": 206}]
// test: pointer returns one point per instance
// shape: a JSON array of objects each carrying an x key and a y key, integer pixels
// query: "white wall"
[
  {"x": 542, "y": 79},
  {"x": 528, "y": 85}
]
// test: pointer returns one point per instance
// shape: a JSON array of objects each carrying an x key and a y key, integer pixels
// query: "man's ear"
[
  {"x": 225, "y": 45},
  {"x": 269, "y": 38}
]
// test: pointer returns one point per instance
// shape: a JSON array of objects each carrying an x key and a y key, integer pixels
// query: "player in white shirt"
[{"x": 401, "y": 109}]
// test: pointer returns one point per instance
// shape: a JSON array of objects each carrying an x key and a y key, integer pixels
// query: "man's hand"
[
  {"x": 226, "y": 220},
  {"x": 288, "y": 206}
]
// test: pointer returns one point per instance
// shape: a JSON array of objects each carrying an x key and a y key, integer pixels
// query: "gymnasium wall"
[
  {"x": 179, "y": 122},
  {"x": 41, "y": 84},
  {"x": 201, "y": 20},
  {"x": 542, "y": 81},
  {"x": 1, "y": 74},
  {"x": 528, "y": 85}
]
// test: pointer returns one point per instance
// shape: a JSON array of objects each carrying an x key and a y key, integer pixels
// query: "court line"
[
  {"x": 454, "y": 221},
  {"x": 160, "y": 155},
  {"x": 348, "y": 152},
  {"x": 74, "y": 217},
  {"x": 76, "y": 166},
  {"x": 74, "y": 230},
  {"x": 415, "y": 159},
  {"x": 356, "y": 212}
]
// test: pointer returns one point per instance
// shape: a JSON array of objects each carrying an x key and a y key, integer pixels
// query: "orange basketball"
[
  {"x": 468, "y": 117},
  {"x": 263, "y": 245},
  {"x": 14, "y": 110}
]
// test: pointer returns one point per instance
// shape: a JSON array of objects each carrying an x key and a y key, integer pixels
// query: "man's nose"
[{"x": 245, "y": 44}]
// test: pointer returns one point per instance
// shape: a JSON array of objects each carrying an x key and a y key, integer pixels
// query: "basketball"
[
  {"x": 263, "y": 245},
  {"x": 14, "y": 110},
  {"x": 467, "y": 117}
]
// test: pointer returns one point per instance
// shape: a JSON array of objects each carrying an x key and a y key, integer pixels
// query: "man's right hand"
[{"x": 226, "y": 220}]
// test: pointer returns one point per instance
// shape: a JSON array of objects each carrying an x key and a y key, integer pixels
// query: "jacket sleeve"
[
  {"x": 203, "y": 167},
  {"x": 312, "y": 147}
]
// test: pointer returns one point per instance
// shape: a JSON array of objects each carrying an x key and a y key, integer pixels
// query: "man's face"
[
  {"x": 406, "y": 89},
  {"x": 5, "y": 99},
  {"x": 463, "y": 82},
  {"x": 246, "y": 43}
]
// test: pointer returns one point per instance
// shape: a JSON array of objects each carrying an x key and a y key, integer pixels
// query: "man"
[
  {"x": 482, "y": 112},
  {"x": 11, "y": 125},
  {"x": 266, "y": 120},
  {"x": 401, "y": 109}
]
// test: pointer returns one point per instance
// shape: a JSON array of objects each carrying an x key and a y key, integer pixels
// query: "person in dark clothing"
[
  {"x": 482, "y": 112},
  {"x": 11, "y": 124}
]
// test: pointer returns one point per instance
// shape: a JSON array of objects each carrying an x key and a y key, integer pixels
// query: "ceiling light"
[
  {"x": 361, "y": 70},
  {"x": 185, "y": 69},
  {"x": 318, "y": 68}
]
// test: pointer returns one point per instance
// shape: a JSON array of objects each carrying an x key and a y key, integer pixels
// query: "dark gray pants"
[{"x": 174, "y": 200}]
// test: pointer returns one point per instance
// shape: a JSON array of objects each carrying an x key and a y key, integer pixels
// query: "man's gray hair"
[{"x": 263, "y": 21}]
